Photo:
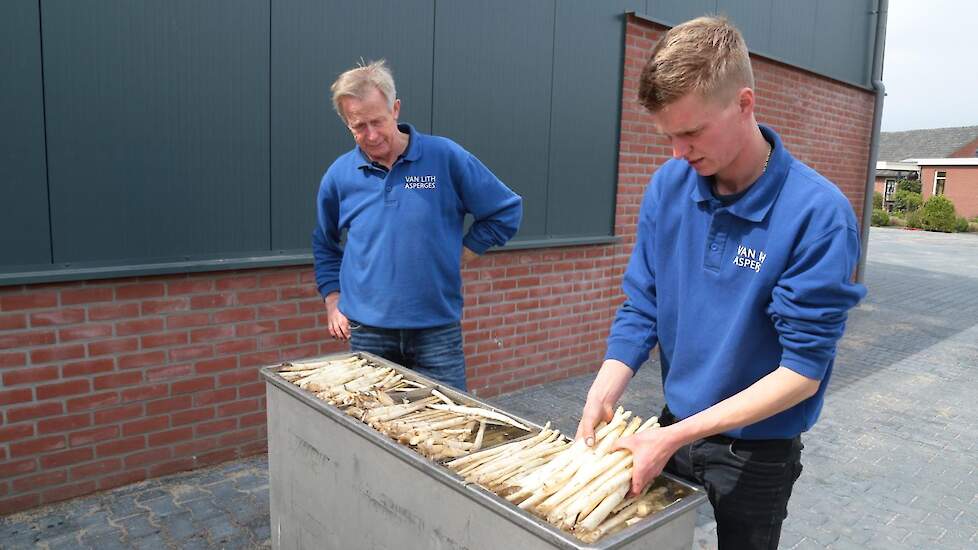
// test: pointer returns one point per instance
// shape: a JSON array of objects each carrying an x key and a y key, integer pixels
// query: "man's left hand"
[
  {"x": 468, "y": 255},
  {"x": 651, "y": 451}
]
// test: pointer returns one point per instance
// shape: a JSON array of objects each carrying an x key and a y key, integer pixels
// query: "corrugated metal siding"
[
  {"x": 23, "y": 187},
  {"x": 157, "y": 127},
  {"x": 312, "y": 43}
]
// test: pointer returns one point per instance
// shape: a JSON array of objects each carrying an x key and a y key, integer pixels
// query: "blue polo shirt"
[
  {"x": 731, "y": 292},
  {"x": 400, "y": 266}
]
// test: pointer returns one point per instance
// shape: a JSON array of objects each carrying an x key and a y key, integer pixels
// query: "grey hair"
[{"x": 358, "y": 81}]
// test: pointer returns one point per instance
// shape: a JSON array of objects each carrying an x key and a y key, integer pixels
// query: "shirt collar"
[
  {"x": 412, "y": 153},
  {"x": 760, "y": 196}
]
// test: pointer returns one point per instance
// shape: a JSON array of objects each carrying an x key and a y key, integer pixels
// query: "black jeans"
[{"x": 747, "y": 481}]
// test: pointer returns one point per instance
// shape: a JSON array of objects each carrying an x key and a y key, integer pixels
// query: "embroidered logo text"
[
  {"x": 749, "y": 258},
  {"x": 419, "y": 182}
]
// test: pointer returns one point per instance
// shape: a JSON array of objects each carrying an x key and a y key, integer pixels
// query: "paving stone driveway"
[{"x": 892, "y": 463}]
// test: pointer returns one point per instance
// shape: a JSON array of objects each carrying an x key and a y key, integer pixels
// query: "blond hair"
[
  {"x": 358, "y": 81},
  {"x": 706, "y": 55}
]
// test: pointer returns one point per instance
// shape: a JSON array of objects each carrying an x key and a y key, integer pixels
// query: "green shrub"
[
  {"x": 880, "y": 217},
  {"x": 877, "y": 200},
  {"x": 937, "y": 214},
  {"x": 914, "y": 220},
  {"x": 909, "y": 185},
  {"x": 961, "y": 224},
  {"x": 906, "y": 201},
  {"x": 897, "y": 221}
]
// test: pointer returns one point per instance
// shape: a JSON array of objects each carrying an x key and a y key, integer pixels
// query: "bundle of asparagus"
[
  {"x": 433, "y": 424},
  {"x": 575, "y": 487}
]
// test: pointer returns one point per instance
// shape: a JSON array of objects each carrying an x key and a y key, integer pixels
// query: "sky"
[{"x": 930, "y": 64}]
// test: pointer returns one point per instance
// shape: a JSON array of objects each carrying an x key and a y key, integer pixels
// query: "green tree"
[
  {"x": 906, "y": 201},
  {"x": 877, "y": 200},
  {"x": 909, "y": 185},
  {"x": 937, "y": 214},
  {"x": 880, "y": 217}
]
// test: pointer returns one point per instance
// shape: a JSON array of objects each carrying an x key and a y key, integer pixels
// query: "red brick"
[
  {"x": 18, "y": 467},
  {"x": 88, "y": 437},
  {"x": 38, "y": 410},
  {"x": 169, "y": 404},
  {"x": 16, "y": 432},
  {"x": 190, "y": 417},
  {"x": 254, "y": 419},
  {"x": 120, "y": 446},
  {"x": 11, "y": 397},
  {"x": 167, "y": 372},
  {"x": 236, "y": 315},
  {"x": 297, "y": 323},
  {"x": 171, "y": 436},
  {"x": 237, "y": 407},
  {"x": 189, "y": 286},
  {"x": 64, "y": 423},
  {"x": 216, "y": 365},
  {"x": 211, "y": 301},
  {"x": 145, "y": 393},
  {"x": 14, "y": 321},
  {"x": 122, "y": 478},
  {"x": 301, "y": 352},
  {"x": 216, "y": 427},
  {"x": 146, "y": 359},
  {"x": 14, "y": 359},
  {"x": 300, "y": 292},
  {"x": 215, "y": 396},
  {"x": 253, "y": 329},
  {"x": 118, "y": 414},
  {"x": 155, "y": 307},
  {"x": 254, "y": 448},
  {"x": 35, "y": 300},
  {"x": 84, "y": 332},
  {"x": 138, "y": 326},
  {"x": 179, "y": 465},
  {"x": 236, "y": 437},
  {"x": 237, "y": 377},
  {"x": 86, "y": 295},
  {"x": 117, "y": 380},
  {"x": 278, "y": 279},
  {"x": 277, "y": 310},
  {"x": 92, "y": 401},
  {"x": 145, "y": 425},
  {"x": 18, "y": 503},
  {"x": 216, "y": 457},
  {"x": 198, "y": 351},
  {"x": 95, "y": 469},
  {"x": 30, "y": 375},
  {"x": 273, "y": 341},
  {"x": 57, "y": 353},
  {"x": 256, "y": 297},
  {"x": 150, "y": 456},
  {"x": 195, "y": 447},
  {"x": 192, "y": 385},
  {"x": 66, "y": 458},
  {"x": 112, "y": 347},
  {"x": 211, "y": 334},
  {"x": 63, "y": 389},
  {"x": 165, "y": 339},
  {"x": 27, "y": 339},
  {"x": 251, "y": 390},
  {"x": 236, "y": 346},
  {"x": 237, "y": 283},
  {"x": 111, "y": 312},
  {"x": 68, "y": 491},
  {"x": 138, "y": 291},
  {"x": 187, "y": 320},
  {"x": 43, "y": 479},
  {"x": 37, "y": 446},
  {"x": 261, "y": 359},
  {"x": 87, "y": 368}
]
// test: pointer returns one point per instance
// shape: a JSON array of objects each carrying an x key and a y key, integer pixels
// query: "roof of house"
[{"x": 929, "y": 143}]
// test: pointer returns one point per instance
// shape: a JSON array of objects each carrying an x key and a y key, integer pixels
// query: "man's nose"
[{"x": 679, "y": 148}]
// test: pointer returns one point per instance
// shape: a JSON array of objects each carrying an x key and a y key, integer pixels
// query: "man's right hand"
[
  {"x": 339, "y": 325},
  {"x": 605, "y": 391}
]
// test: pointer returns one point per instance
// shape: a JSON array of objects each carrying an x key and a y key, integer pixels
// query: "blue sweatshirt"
[
  {"x": 730, "y": 293},
  {"x": 400, "y": 267}
]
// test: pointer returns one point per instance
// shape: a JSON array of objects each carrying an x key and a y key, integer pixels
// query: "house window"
[
  {"x": 889, "y": 190},
  {"x": 939, "y": 179}
]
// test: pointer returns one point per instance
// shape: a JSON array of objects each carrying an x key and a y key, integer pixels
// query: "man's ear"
[
  {"x": 396, "y": 110},
  {"x": 745, "y": 100}
]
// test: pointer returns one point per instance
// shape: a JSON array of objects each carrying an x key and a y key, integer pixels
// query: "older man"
[
  {"x": 741, "y": 272},
  {"x": 395, "y": 288}
]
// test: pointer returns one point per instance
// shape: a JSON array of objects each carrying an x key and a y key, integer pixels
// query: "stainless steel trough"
[{"x": 335, "y": 482}]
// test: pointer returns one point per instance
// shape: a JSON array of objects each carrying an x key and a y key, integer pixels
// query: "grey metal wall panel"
[
  {"x": 754, "y": 19},
  {"x": 842, "y": 34},
  {"x": 492, "y": 85},
  {"x": 793, "y": 31},
  {"x": 674, "y": 12},
  {"x": 588, "y": 54},
  {"x": 157, "y": 118},
  {"x": 312, "y": 42},
  {"x": 23, "y": 187}
]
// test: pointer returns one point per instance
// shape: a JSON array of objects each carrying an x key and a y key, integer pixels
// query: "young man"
[
  {"x": 741, "y": 273},
  {"x": 395, "y": 289}
]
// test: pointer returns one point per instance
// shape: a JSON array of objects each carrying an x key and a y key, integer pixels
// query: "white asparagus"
[
  {"x": 619, "y": 487},
  {"x": 486, "y": 413}
]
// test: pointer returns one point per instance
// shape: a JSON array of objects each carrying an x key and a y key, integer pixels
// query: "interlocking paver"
[{"x": 891, "y": 463}]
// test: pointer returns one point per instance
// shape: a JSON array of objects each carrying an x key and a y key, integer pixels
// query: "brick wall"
[
  {"x": 961, "y": 187},
  {"x": 109, "y": 382},
  {"x": 968, "y": 150}
]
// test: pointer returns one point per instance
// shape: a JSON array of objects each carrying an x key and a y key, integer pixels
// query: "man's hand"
[
  {"x": 468, "y": 255},
  {"x": 339, "y": 325},
  {"x": 651, "y": 451},
  {"x": 607, "y": 387}
]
